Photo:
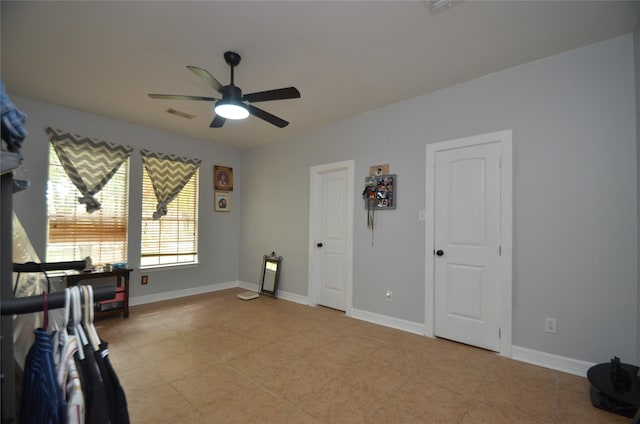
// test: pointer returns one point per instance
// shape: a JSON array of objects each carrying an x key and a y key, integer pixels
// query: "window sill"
[{"x": 168, "y": 267}]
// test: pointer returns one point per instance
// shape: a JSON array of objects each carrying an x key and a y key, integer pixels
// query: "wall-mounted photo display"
[
  {"x": 221, "y": 201},
  {"x": 380, "y": 192},
  {"x": 223, "y": 178}
]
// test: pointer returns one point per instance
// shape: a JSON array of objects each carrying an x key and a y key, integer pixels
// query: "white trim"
[
  {"x": 506, "y": 213},
  {"x": 292, "y": 297},
  {"x": 506, "y": 241},
  {"x": 387, "y": 321},
  {"x": 248, "y": 286},
  {"x": 159, "y": 297},
  {"x": 522, "y": 354},
  {"x": 549, "y": 360},
  {"x": 314, "y": 184}
]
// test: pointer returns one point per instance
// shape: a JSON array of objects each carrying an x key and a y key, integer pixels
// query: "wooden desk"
[{"x": 122, "y": 277}]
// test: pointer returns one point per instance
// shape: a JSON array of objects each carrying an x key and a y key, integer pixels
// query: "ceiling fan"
[{"x": 233, "y": 104}]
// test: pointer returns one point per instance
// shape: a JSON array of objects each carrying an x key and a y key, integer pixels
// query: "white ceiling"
[{"x": 345, "y": 57}]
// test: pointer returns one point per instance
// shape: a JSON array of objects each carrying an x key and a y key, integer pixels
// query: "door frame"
[
  {"x": 315, "y": 175},
  {"x": 506, "y": 230}
]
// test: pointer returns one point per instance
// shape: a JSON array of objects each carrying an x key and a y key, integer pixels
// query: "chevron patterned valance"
[
  {"x": 89, "y": 163},
  {"x": 168, "y": 175}
]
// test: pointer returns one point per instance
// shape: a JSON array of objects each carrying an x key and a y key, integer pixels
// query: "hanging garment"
[
  {"x": 118, "y": 411},
  {"x": 68, "y": 377},
  {"x": 12, "y": 120},
  {"x": 42, "y": 401},
  {"x": 96, "y": 409},
  {"x": 116, "y": 400},
  {"x": 69, "y": 381}
]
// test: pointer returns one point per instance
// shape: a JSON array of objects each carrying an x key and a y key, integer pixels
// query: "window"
[
  {"x": 172, "y": 239},
  {"x": 73, "y": 233}
]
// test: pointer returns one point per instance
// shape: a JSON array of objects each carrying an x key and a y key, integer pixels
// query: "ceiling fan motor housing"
[{"x": 231, "y": 92}]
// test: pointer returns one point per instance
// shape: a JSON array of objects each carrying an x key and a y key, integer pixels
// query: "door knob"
[
  {"x": 440, "y": 253},
  {"x": 319, "y": 244}
]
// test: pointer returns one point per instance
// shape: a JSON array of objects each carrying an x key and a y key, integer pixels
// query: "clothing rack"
[
  {"x": 9, "y": 304},
  {"x": 26, "y": 305},
  {"x": 6, "y": 289},
  {"x": 48, "y": 266}
]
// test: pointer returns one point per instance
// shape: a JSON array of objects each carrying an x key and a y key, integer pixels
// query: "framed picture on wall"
[
  {"x": 223, "y": 178},
  {"x": 379, "y": 170},
  {"x": 221, "y": 201},
  {"x": 381, "y": 192}
]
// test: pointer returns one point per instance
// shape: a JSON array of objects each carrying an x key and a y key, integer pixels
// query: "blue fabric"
[
  {"x": 42, "y": 401},
  {"x": 12, "y": 118}
]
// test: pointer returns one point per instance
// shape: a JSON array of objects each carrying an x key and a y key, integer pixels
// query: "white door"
[
  {"x": 330, "y": 235},
  {"x": 331, "y": 242},
  {"x": 467, "y": 229}
]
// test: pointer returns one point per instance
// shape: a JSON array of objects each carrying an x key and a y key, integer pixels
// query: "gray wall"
[
  {"x": 573, "y": 118},
  {"x": 218, "y": 241},
  {"x": 575, "y": 197}
]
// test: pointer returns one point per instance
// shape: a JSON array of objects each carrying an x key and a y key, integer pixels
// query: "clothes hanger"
[
  {"x": 88, "y": 317},
  {"x": 81, "y": 339},
  {"x": 93, "y": 310},
  {"x": 66, "y": 342},
  {"x": 67, "y": 310},
  {"x": 62, "y": 334},
  {"x": 85, "y": 317}
]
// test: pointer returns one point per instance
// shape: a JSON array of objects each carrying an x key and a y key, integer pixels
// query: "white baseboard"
[
  {"x": 248, "y": 286},
  {"x": 291, "y": 297},
  {"x": 549, "y": 360},
  {"x": 158, "y": 297},
  {"x": 397, "y": 323},
  {"x": 518, "y": 353}
]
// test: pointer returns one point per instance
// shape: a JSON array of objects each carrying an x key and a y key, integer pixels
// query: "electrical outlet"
[
  {"x": 144, "y": 279},
  {"x": 550, "y": 325},
  {"x": 389, "y": 295}
]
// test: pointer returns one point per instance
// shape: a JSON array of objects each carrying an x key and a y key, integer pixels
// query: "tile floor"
[{"x": 217, "y": 359}]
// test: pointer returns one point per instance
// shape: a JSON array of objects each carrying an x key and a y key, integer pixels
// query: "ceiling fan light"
[{"x": 231, "y": 110}]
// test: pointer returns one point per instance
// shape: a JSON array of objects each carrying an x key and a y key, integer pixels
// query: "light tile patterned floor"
[{"x": 217, "y": 359}]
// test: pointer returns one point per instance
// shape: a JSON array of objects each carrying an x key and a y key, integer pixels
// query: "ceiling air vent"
[
  {"x": 180, "y": 114},
  {"x": 436, "y": 6}
]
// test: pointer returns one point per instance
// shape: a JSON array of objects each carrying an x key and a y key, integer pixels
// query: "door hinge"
[
  {"x": 500, "y": 250},
  {"x": 500, "y": 163},
  {"x": 499, "y": 333}
]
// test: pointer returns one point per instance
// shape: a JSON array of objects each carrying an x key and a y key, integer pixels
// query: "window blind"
[
  {"x": 73, "y": 233},
  {"x": 172, "y": 240}
]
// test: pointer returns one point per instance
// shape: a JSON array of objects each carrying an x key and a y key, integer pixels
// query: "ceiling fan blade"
[
  {"x": 272, "y": 119},
  {"x": 181, "y": 97},
  {"x": 207, "y": 77},
  {"x": 278, "y": 94},
  {"x": 217, "y": 122}
]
